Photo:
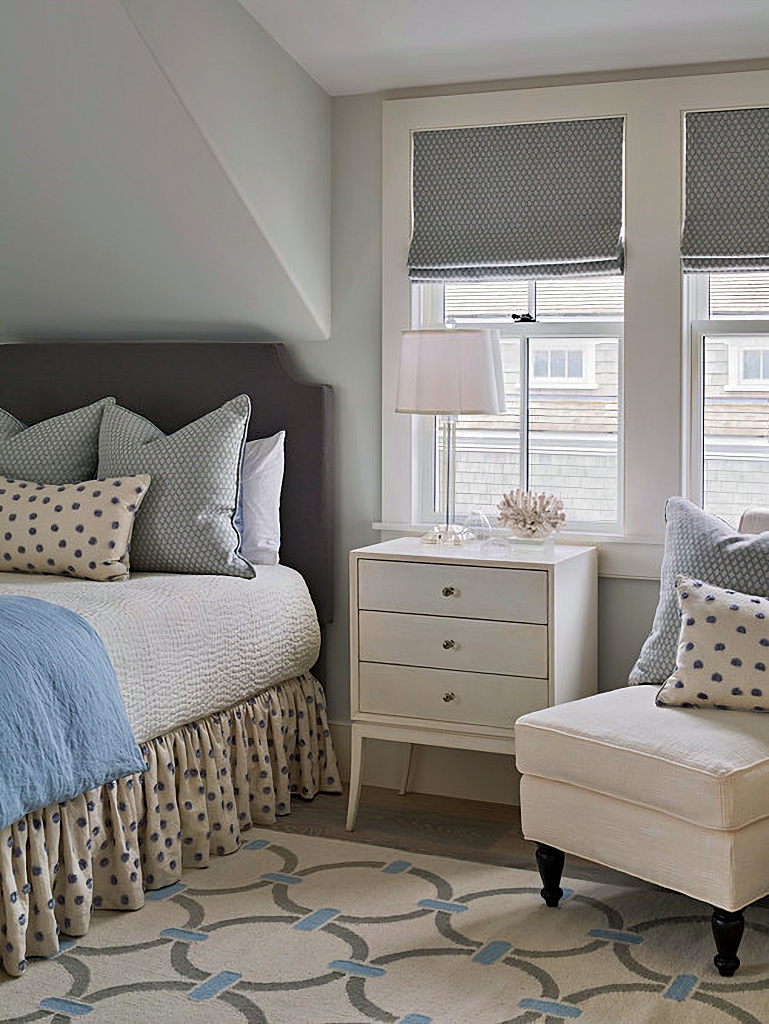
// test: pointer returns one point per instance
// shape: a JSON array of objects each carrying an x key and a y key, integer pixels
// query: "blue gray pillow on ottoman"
[
  {"x": 704, "y": 547},
  {"x": 187, "y": 521},
  {"x": 61, "y": 450}
]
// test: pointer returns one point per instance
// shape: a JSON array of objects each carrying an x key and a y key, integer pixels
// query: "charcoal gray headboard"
[{"x": 172, "y": 383}]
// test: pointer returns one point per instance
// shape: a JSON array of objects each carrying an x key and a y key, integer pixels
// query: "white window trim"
[{"x": 655, "y": 361}]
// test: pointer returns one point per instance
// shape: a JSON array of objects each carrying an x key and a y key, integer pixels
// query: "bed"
[{"x": 219, "y": 675}]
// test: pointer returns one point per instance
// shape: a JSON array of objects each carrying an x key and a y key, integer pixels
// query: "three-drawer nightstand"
[{"x": 449, "y": 646}]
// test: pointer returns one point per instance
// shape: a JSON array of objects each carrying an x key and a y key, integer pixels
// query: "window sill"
[{"x": 619, "y": 556}]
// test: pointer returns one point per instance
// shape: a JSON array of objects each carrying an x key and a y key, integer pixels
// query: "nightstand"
[{"x": 449, "y": 646}]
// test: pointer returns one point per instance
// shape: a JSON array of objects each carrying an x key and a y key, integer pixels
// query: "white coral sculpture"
[{"x": 531, "y": 515}]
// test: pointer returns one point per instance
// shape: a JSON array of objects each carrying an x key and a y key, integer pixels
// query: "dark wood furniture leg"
[
  {"x": 728, "y": 926},
  {"x": 550, "y": 864}
]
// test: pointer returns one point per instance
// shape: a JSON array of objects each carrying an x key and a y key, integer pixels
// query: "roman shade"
[
  {"x": 517, "y": 200},
  {"x": 726, "y": 219}
]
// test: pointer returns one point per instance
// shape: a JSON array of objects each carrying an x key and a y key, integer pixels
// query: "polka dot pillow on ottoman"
[
  {"x": 81, "y": 530},
  {"x": 723, "y": 651}
]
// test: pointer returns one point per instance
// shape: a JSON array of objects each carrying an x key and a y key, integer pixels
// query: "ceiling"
[{"x": 358, "y": 46}]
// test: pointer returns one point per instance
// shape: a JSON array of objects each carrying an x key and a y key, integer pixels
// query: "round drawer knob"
[
  {"x": 449, "y": 697},
  {"x": 448, "y": 645},
  {"x": 449, "y": 591}
]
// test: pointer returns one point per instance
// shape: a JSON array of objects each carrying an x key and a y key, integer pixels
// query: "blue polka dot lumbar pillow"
[
  {"x": 704, "y": 547},
  {"x": 81, "y": 530},
  {"x": 188, "y": 522},
  {"x": 61, "y": 450},
  {"x": 723, "y": 650}
]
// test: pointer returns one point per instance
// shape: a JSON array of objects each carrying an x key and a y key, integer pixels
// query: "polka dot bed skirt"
[{"x": 205, "y": 783}]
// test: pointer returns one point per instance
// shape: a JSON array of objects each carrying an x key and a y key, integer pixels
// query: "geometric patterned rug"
[{"x": 295, "y": 928}]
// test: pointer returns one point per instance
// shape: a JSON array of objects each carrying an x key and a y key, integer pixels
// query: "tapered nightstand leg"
[
  {"x": 550, "y": 863},
  {"x": 356, "y": 768},
  {"x": 404, "y": 787}
]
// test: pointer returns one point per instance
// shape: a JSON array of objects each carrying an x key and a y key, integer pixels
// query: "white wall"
[
  {"x": 350, "y": 360},
  {"x": 266, "y": 121},
  {"x": 119, "y": 215}
]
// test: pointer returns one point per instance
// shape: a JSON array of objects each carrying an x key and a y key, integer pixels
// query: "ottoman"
[{"x": 676, "y": 796}]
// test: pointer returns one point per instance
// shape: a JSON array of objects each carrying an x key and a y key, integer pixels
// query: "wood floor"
[{"x": 418, "y": 823}]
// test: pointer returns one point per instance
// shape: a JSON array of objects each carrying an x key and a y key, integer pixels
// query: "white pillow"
[
  {"x": 723, "y": 652},
  {"x": 263, "y": 464}
]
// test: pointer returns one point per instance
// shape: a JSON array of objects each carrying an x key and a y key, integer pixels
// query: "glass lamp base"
[{"x": 446, "y": 536}]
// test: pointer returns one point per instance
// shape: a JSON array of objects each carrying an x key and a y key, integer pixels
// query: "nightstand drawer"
[
  {"x": 509, "y": 595},
  {"x": 471, "y": 698},
  {"x": 469, "y": 645}
]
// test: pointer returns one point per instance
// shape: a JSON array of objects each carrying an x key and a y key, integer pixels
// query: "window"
[
  {"x": 561, "y": 363},
  {"x": 560, "y": 432},
  {"x": 725, "y": 255},
  {"x": 754, "y": 365},
  {"x": 653, "y": 409},
  {"x": 748, "y": 363},
  {"x": 730, "y": 381}
]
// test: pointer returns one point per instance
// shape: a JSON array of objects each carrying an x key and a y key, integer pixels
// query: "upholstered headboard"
[{"x": 172, "y": 383}]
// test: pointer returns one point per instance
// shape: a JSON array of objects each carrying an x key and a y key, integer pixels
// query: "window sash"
[
  {"x": 424, "y": 430},
  {"x": 699, "y": 330}
]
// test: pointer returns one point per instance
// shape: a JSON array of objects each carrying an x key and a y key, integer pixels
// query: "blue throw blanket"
[{"x": 63, "y": 726}]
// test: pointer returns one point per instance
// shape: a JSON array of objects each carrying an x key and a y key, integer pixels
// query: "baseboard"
[{"x": 441, "y": 771}]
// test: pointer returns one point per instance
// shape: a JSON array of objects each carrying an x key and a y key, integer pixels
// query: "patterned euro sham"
[
  {"x": 703, "y": 547},
  {"x": 60, "y": 450},
  {"x": 188, "y": 522},
  {"x": 82, "y": 530},
  {"x": 723, "y": 650}
]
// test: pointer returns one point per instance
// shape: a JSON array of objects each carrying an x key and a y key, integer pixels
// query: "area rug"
[{"x": 295, "y": 928}]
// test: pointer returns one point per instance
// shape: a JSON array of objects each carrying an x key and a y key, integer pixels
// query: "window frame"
[
  {"x": 702, "y": 326},
  {"x": 588, "y": 331},
  {"x": 655, "y": 366}
]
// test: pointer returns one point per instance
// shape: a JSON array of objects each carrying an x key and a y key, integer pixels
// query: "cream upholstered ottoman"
[{"x": 675, "y": 796}]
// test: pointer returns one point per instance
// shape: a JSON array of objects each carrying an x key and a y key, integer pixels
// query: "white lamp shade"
[{"x": 450, "y": 372}]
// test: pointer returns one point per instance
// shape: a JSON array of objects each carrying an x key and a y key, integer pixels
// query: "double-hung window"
[
  {"x": 725, "y": 248},
  {"x": 518, "y": 228}
]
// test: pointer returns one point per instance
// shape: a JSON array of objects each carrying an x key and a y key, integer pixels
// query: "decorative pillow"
[
  {"x": 723, "y": 652},
  {"x": 187, "y": 523},
  {"x": 706, "y": 548},
  {"x": 263, "y": 465},
  {"x": 61, "y": 450},
  {"x": 79, "y": 530}
]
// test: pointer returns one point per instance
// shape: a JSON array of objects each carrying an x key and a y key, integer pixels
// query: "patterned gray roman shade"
[
  {"x": 726, "y": 221},
  {"x": 517, "y": 200}
]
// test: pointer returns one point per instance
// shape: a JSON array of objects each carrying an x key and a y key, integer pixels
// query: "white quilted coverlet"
[{"x": 185, "y": 646}]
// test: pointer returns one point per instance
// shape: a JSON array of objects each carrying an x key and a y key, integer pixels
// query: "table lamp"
[{"x": 448, "y": 373}]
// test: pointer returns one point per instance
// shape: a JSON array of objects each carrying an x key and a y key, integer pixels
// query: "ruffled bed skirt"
[{"x": 205, "y": 783}]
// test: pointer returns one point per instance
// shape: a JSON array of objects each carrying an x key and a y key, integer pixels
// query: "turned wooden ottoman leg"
[
  {"x": 728, "y": 926},
  {"x": 550, "y": 864}
]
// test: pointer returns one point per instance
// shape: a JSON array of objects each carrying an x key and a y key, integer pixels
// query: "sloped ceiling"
[{"x": 164, "y": 170}]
